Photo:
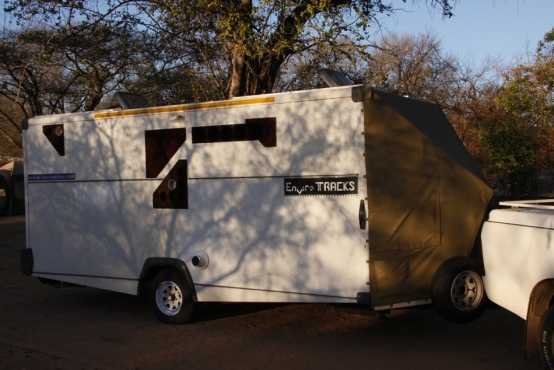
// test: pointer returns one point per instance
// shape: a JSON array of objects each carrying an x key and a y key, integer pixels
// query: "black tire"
[
  {"x": 458, "y": 291},
  {"x": 171, "y": 297},
  {"x": 547, "y": 340}
]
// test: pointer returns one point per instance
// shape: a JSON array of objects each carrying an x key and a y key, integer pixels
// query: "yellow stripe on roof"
[{"x": 184, "y": 107}]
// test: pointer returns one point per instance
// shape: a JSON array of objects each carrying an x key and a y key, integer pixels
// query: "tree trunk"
[
  {"x": 93, "y": 99},
  {"x": 239, "y": 49},
  {"x": 237, "y": 81},
  {"x": 253, "y": 76}
]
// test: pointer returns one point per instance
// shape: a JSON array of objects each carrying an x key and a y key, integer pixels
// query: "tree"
[
  {"x": 175, "y": 85},
  {"x": 54, "y": 71},
  {"x": 250, "y": 39},
  {"x": 302, "y": 71},
  {"x": 24, "y": 82},
  {"x": 545, "y": 48},
  {"x": 10, "y": 138},
  {"x": 511, "y": 150},
  {"x": 519, "y": 140},
  {"x": 413, "y": 66}
]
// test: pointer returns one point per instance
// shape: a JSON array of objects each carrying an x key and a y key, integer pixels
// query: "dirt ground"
[{"x": 42, "y": 327}]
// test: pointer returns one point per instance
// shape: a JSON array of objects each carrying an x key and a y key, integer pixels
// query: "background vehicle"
[
  {"x": 344, "y": 194},
  {"x": 11, "y": 188},
  {"x": 518, "y": 253}
]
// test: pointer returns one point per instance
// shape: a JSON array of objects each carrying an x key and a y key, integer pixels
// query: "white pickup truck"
[{"x": 518, "y": 254}]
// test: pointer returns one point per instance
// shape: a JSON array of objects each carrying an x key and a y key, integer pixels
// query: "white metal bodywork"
[
  {"x": 518, "y": 252},
  {"x": 100, "y": 228}
]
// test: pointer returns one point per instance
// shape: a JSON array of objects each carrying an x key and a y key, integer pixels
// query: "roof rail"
[{"x": 534, "y": 204}]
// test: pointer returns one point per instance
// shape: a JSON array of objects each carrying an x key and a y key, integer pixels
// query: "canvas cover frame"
[{"x": 427, "y": 197}]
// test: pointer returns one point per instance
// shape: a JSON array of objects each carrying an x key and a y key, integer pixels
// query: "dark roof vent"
[
  {"x": 122, "y": 100},
  {"x": 334, "y": 78}
]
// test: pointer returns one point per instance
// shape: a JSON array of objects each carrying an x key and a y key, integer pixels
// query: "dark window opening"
[
  {"x": 160, "y": 146},
  {"x": 172, "y": 193},
  {"x": 256, "y": 129},
  {"x": 56, "y": 136}
]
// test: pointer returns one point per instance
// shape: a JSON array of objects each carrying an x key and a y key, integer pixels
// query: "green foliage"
[
  {"x": 519, "y": 139},
  {"x": 512, "y": 157},
  {"x": 546, "y": 45},
  {"x": 528, "y": 93}
]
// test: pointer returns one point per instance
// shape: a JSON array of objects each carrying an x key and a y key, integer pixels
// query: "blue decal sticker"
[{"x": 49, "y": 177}]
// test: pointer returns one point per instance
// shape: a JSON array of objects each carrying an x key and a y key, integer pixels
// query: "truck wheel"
[
  {"x": 547, "y": 340},
  {"x": 171, "y": 297},
  {"x": 458, "y": 291}
]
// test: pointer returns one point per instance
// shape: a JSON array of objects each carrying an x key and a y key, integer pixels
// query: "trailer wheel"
[
  {"x": 171, "y": 297},
  {"x": 458, "y": 291},
  {"x": 547, "y": 340}
]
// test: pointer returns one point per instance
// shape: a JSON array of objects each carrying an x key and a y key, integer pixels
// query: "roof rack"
[{"x": 535, "y": 204}]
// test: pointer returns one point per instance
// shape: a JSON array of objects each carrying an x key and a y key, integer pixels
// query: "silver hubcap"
[
  {"x": 169, "y": 298},
  {"x": 467, "y": 291}
]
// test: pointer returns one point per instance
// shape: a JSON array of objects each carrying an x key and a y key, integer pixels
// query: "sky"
[{"x": 505, "y": 30}]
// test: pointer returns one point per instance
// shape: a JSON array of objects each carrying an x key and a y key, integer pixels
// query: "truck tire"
[
  {"x": 458, "y": 291},
  {"x": 547, "y": 340},
  {"x": 171, "y": 297}
]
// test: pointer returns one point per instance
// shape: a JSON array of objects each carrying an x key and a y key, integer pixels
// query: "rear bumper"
[{"x": 27, "y": 261}]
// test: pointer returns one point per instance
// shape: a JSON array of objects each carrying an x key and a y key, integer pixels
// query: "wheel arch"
[
  {"x": 476, "y": 253},
  {"x": 456, "y": 260},
  {"x": 541, "y": 299},
  {"x": 153, "y": 265}
]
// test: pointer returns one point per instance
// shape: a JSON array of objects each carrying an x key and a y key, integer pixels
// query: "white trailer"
[
  {"x": 518, "y": 253},
  {"x": 256, "y": 199}
]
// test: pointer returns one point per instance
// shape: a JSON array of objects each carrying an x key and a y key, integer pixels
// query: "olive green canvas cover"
[{"x": 426, "y": 195}]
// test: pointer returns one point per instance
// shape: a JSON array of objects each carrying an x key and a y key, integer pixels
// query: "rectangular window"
[{"x": 255, "y": 129}]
